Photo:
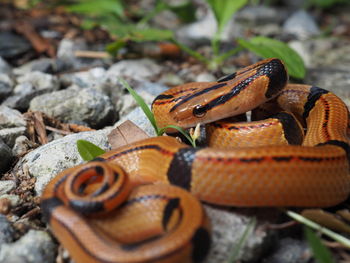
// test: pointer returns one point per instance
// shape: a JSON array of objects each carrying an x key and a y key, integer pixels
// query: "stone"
[
  {"x": 12, "y": 45},
  {"x": 6, "y": 86},
  {"x": 9, "y": 135},
  {"x": 227, "y": 231},
  {"x": 35, "y": 246},
  {"x": 127, "y": 102},
  {"x": 76, "y": 105},
  {"x": 45, "y": 65},
  {"x": 257, "y": 15},
  {"x": 46, "y": 161},
  {"x": 289, "y": 250},
  {"x": 10, "y": 118},
  {"x": 205, "y": 77},
  {"x": 301, "y": 25},
  {"x": 138, "y": 69},
  {"x": 21, "y": 146},
  {"x": 7, "y": 186},
  {"x": 7, "y": 233},
  {"x": 29, "y": 86},
  {"x": 5, "y": 68},
  {"x": 5, "y": 156},
  {"x": 13, "y": 199}
]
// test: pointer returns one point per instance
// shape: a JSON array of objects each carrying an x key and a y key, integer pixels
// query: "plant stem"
[{"x": 323, "y": 230}]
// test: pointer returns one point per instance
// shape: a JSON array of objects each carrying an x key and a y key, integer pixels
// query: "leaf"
[
  {"x": 141, "y": 103},
  {"x": 269, "y": 48},
  {"x": 88, "y": 150},
  {"x": 100, "y": 7},
  {"x": 151, "y": 34},
  {"x": 320, "y": 251},
  {"x": 224, "y": 10},
  {"x": 126, "y": 133}
]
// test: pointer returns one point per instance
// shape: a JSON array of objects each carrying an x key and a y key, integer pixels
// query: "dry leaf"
[
  {"x": 326, "y": 219},
  {"x": 126, "y": 133}
]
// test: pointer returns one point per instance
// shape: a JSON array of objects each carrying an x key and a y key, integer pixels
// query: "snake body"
[{"x": 80, "y": 203}]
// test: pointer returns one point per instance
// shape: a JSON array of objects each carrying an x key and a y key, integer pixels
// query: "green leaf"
[
  {"x": 88, "y": 150},
  {"x": 114, "y": 47},
  {"x": 224, "y": 10},
  {"x": 141, "y": 103},
  {"x": 320, "y": 251},
  {"x": 269, "y": 48},
  {"x": 100, "y": 7}
]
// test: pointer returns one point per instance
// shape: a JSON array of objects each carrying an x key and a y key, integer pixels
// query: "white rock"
[{"x": 10, "y": 118}]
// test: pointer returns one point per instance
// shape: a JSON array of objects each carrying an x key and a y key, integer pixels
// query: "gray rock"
[
  {"x": 77, "y": 105},
  {"x": 127, "y": 102},
  {"x": 9, "y": 135},
  {"x": 46, "y": 161},
  {"x": 29, "y": 86},
  {"x": 12, "y": 45},
  {"x": 21, "y": 146},
  {"x": 45, "y": 65},
  {"x": 35, "y": 246},
  {"x": 5, "y": 67},
  {"x": 205, "y": 77},
  {"x": 6, "y": 86},
  {"x": 301, "y": 25},
  {"x": 227, "y": 230},
  {"x": 14, "y": 199},
  {"x": 260, "y": 15},
  {"x": 139, "y": 118},
  {"x": 5, "y": 156},
  {"x": 138, "y": 69},
  {"x": 288, "y": 250},
  {"x": 6, "y": 231},
  {"x": 39, "y": 80},
  {"x": 10, "y": 118},
  {"x": 93, "y": 78},
  {"x": 6, "y": 186},
  {"x": 151, "y": 88}
]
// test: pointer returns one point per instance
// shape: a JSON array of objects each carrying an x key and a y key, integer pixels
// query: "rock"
[
  {"x": 6, "y": 86},
  {"x": 139, "y": 118},
  {"x": 12, "y": 45},
  {"x": 5, "y": 67},
  {"x": 46, "y": 161},
  {"x": 45, "y": 65},
  {"x": 151, "y": 88},
  {"x": 227, "y": 231},
  {"x": 39, "y": 80},
  {"x": 127, "y": 103},
  {"x": 9, "y": 135},
  {"x": 138, "y": 69},
  {"x": 66, "y": 55},
  {"x": 93, "y": 78},
  {"x": 205, "y": 77},
  {"x": 290, "y": 250},
  {"x": 30, "y": 85},
  {"x": 77, "y": 105},
  {"x": 260, "y": 15},
  {"x": 171, "y": 79},
  {"x": 7, "y": 186},
  {"x": 22, "y": 145},
  {"x": 301, "y": 25},
  {"x": 5, "y": 156},
  {"x": 35, "y": 246},
  {"x": 7, "y": 232},
  {"x": 10, "y": 118}
]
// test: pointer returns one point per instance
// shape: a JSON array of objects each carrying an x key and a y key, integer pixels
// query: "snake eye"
[{"x": 199, "y": 111}]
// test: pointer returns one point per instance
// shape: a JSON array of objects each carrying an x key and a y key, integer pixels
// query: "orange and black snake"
[{"x": 155, "y": 182}]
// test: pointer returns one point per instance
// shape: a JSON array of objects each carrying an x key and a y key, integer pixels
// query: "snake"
[{"x": 139, "y": 203}]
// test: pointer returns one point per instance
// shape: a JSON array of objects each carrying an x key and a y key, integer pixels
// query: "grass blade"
[
  {"x": 235, "y": 251},
  {"x": 88, "y": 150},
  {"x": 320, "y": 251},
  {"x": 181, "y": 130},
  {"x": 142, "y": 104}
]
